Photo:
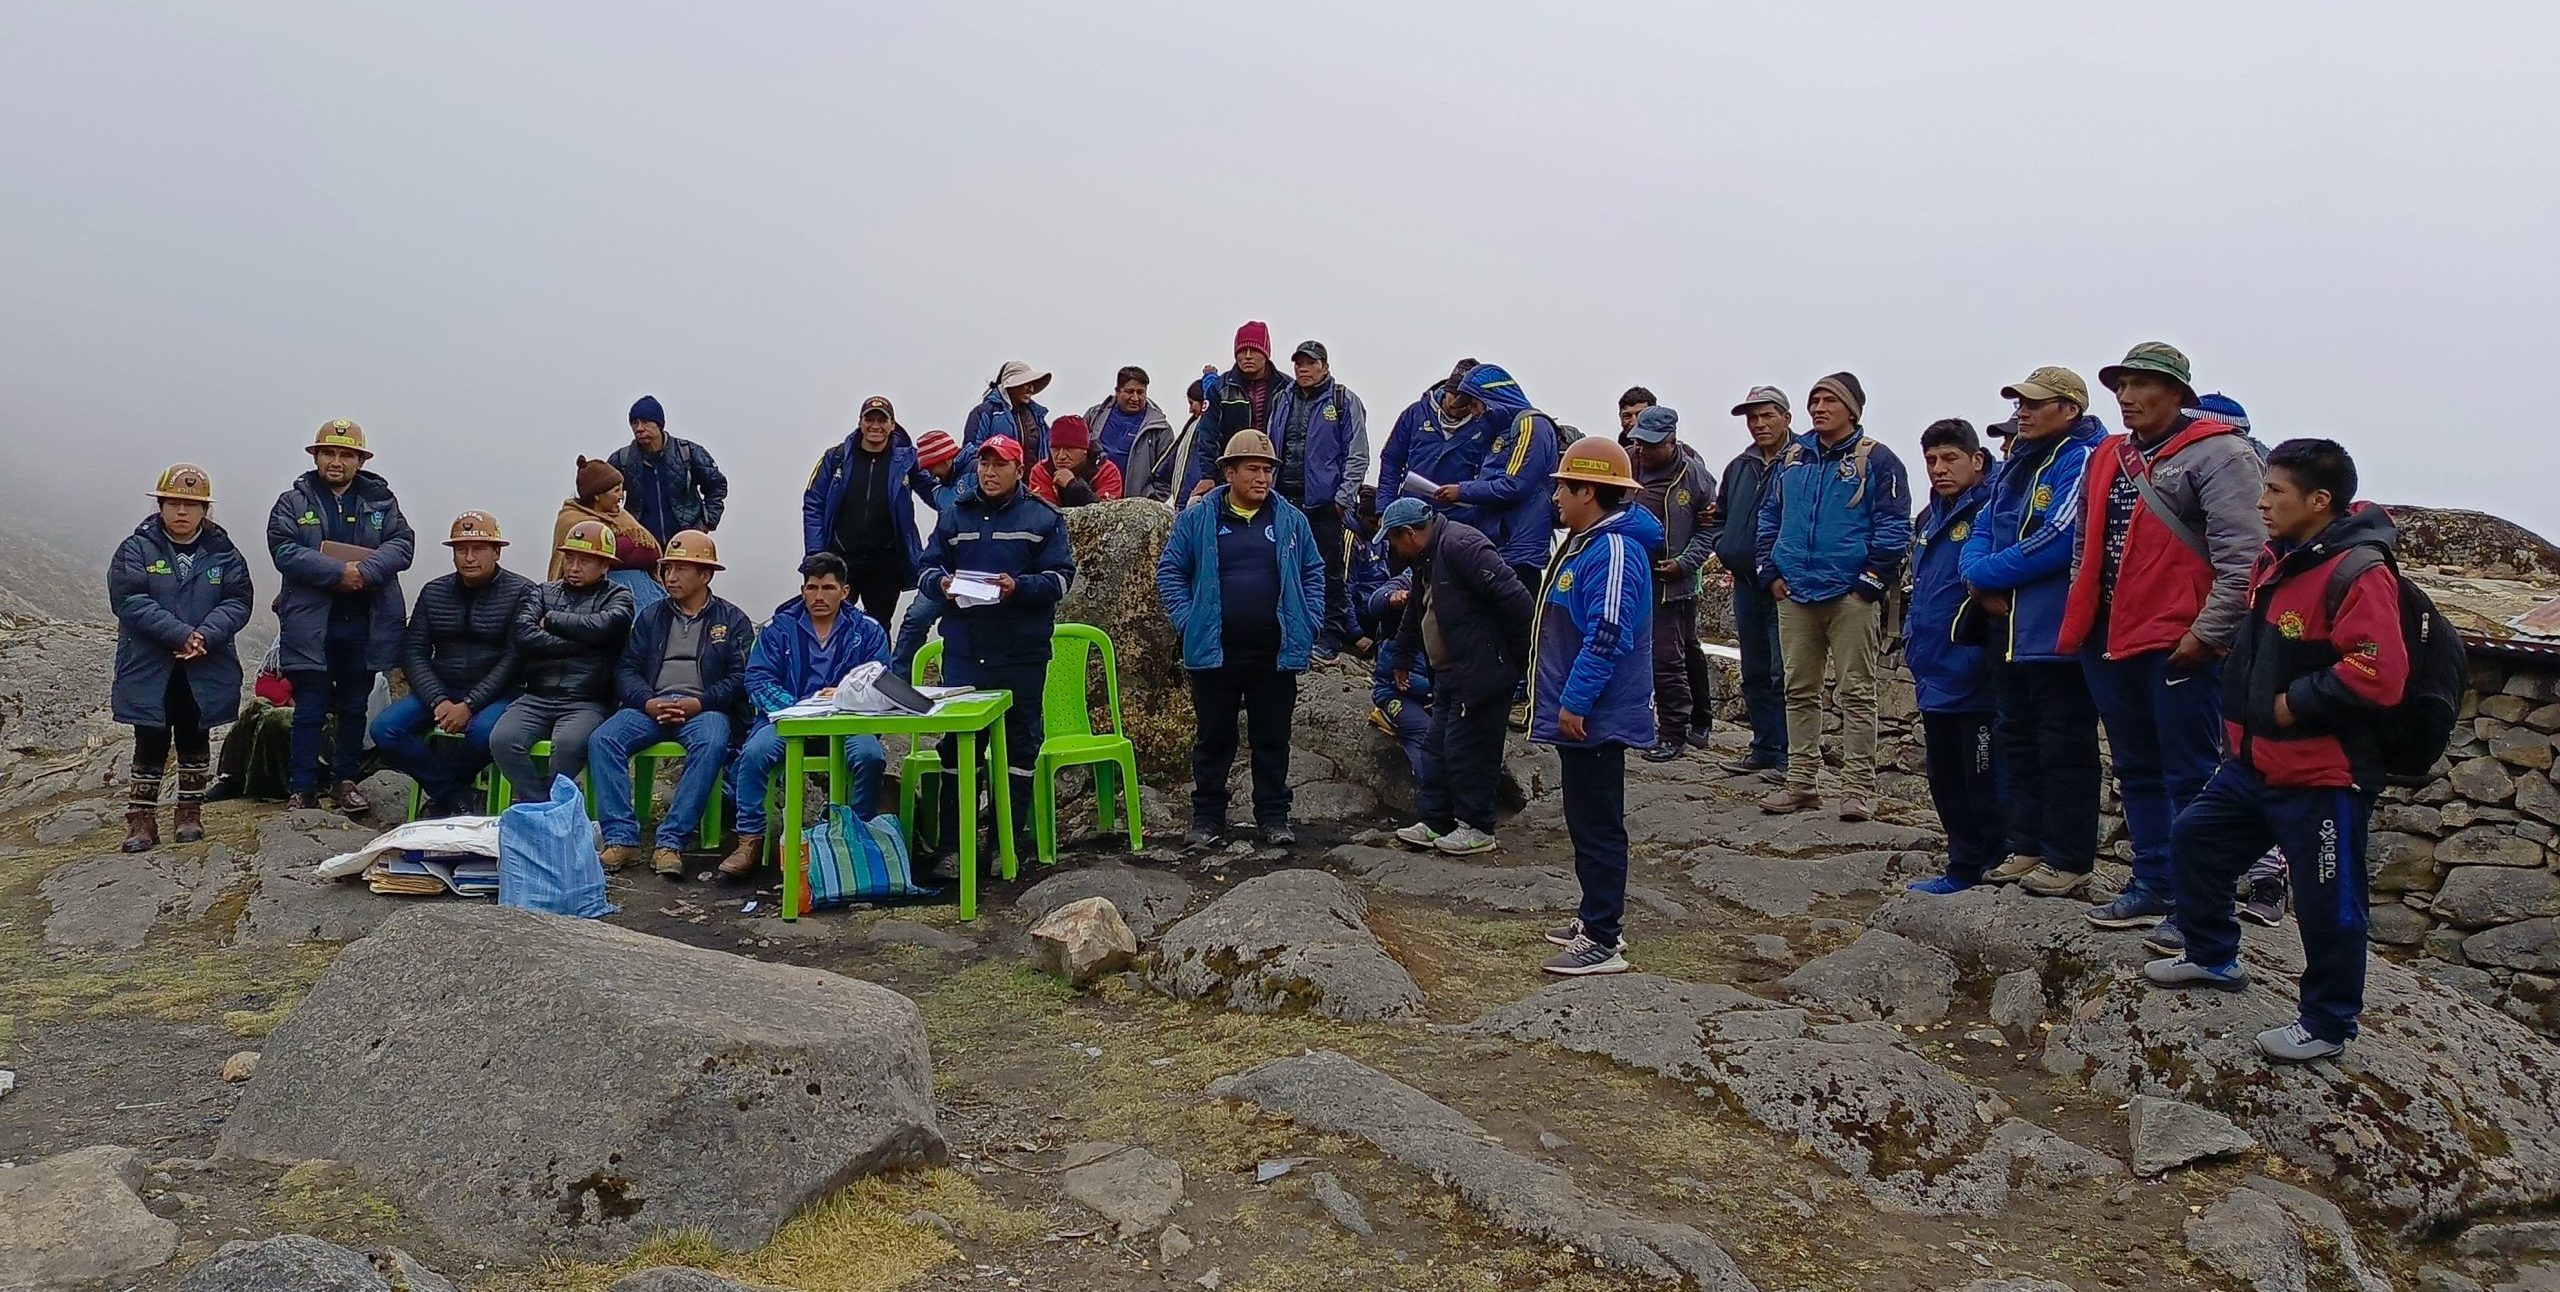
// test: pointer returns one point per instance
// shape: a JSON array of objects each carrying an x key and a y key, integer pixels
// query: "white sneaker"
[
  {"x": 1464, "y": 840},
  {"x": 2294, "y": 1043},
  {"x": 1419, "y": 834}
]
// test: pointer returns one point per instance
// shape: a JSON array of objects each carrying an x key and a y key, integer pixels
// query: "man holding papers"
[
  {"x": 340, "y": 543},
  {"x": 810, "y": 645}
]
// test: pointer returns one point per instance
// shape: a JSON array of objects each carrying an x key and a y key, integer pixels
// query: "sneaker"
[
  {"x": 1698, "y": 738},
  {"x": 2014, "y": 869},
  {"x": 1419, "y": 834},
  {"x": 1202, "y": 837},
  {"x": 1584, "y": 956},
  {"x": 2165, "y": 940},
  {"x": 2266, "y": 903},
  {"x": 617, "y": 856},
  {"x": 1667, "y": 752},
  {"x": 1564, "y": 934},
  {"x": 1789, "y": 800},
  {"x": 1856, "y": 808},
  {"x": 668, "y": 863},
  {"x": 2135, "y": 908},
  {"x": 1464, "y": 841},
  {"x": 2046, "y": 881},
  {"x": 1280, "y": 836},
  {"x": 2294, "y": 1043},
  {"x": 1940, "y": 885},
  {"x": 2179, "y": 971},
  {"x": 1747, "y": 766}
]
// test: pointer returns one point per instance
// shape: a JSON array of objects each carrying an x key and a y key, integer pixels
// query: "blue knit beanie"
[{"x": 647, "y": 410}]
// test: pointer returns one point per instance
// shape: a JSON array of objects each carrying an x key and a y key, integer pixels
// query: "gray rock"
[
  {"x": 1784, "y": 887},
  {"x": 2521, "y": 748},
  {"x": 1339, "y": 1204},
  {"x": 2167, "y": 1134},
  {"x": 1288, "y": 942},
  {"x": 647, "y": 1085},
  {"x": 1147, "y": 899},
  {"x": 2436, "y": 1278},
  {"x": 1173, "y": 1245},
  {"x": 302, "y": 1263},
  {"x": 2395, "y": 924},
  {"x": 1502, "y": 887},
  {"x": 69, "y": 822},
  {"x": 288, "y": 904},
  {"x": 1996, "y": 930},
  {"x": 1770, "y": 947},
  {"x": 677, "y": 1278},
  {"x": 1328, "y": 1093},
  {"x": 909, "y": 933},
  {"x": 2526, "y": 944},
  {"x": 111, "y": 903},
  {"x": 2258, "y": 1237},
  {"x": 1332, "y": 801},
  {"x": 74, "y": 1218},
  {"x": 1130, "y": 1187},
  {"x": 2511, "y": 1239},
  {"x": 2483, "y": 780},
  {"x": 2536, "y": 796},
  {"x": 2478, "y": 896},
  {"x": 2474, "y": 983},
  {"x": 2015, "y": 1285},
  {"x": 2017, "y": 1003},
  {"x": 2488, "y": 845},
  {"x": 2402, "y": 862},
  {"x": 1881, "y": 975},
  {"x": 2042, "y": 1160},
  {"x": 1815, "y": 836}
]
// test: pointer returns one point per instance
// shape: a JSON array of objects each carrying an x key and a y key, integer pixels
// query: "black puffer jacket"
[
  {"x": 567, "y": 639},
  {"x": 461, "y": 642},
  {"x": 1483, "y": 609}
]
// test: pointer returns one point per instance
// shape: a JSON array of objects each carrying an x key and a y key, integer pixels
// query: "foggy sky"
[{"x": 483, "y": 230}]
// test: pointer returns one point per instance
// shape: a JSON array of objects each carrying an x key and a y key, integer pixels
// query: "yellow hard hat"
[
  {"x": 1249, "y": 444},
  {"x": 693, "y": 547},
  {"x": 185, "y": 482},
  {"x": 475, "y": 527},
  {"x": 340, "y": 434},
  {"x": 1597, "y": 460},
  {"x": 589, "y": 538}
]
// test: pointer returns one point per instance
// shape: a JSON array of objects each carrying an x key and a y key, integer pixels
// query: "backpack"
[
  {"x": 2413, "y": 734},
  {"x": 1796, "y": 456}
]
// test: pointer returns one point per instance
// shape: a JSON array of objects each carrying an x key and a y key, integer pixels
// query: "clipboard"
[{"x": 347, "y": 552}]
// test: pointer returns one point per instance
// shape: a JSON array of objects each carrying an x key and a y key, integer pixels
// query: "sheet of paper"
[
  {"x": 1419, "y": 486},
  {"x": 970, "y": 588}
]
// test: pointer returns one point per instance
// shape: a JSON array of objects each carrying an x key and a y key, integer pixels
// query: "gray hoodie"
[{"x": 1145, "y": 476}]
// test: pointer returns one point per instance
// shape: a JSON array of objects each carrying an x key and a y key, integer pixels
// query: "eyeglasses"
[{"x": 2024, "y": 405}]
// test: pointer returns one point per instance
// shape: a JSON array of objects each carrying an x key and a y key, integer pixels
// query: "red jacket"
[
  {"x": 2336, "y": 671},
  {"x": 2161, "y": 584},
  {"x": 1098, "y": 482}
]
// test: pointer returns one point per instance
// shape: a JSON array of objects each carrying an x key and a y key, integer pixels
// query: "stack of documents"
[{"x": 416, "y": 874}]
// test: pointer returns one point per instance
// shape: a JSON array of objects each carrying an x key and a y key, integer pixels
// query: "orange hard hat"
[
  {"x": 475, "y": 527},
  {"x": 589, "y": 538},
  {"x": 693, "y": 547},
  {"x": 1597, "y": 460},
  {"x": 185, "y": 482},
  {"x": 340, "y": 434}
]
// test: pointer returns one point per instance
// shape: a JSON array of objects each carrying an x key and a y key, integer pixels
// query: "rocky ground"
[{"x": 1333, "y": 1066}]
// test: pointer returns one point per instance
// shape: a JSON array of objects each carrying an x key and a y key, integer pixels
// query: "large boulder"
[
  {"x": 2472, "y": 540},
  {"x": 74, "y": 1219},
  {"x": 112, "y": 902},
  {"x": 1116, "y": 544},
  {"x": 1288, "y": 942},
  {"x": 530, "y": 1084},
  {"x": 302, "y": 1263},
  {"x": 55, "y": 738},
  {"x": 290, "y": 904}
]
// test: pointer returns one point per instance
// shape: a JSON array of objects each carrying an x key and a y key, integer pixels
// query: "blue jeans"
[
  {"x": 2164, "y": 731},
  {"x": 1764, "y": 685},
  {"x": 339, "y": 691},
  {"x": 864, "y": 759},
  {"x": 443, "y": 773},
  {"x": 705, "y": 738},
  {"x": 2228, "y": 828}
]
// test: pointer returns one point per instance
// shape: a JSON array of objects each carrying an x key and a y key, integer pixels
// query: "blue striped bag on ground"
[{"x": 853, "y": 860}]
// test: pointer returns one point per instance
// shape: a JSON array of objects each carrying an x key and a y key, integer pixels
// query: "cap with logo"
[
  {"x": 1594, "y": 460},
  {"x": 1763, "y": 395},
  {"x": 2049, "y": 383},
  {"x": 1002, "y": 446},
  {"x": 184, "y": 482},
  {"x": 340, "y": 434},
  {"x": 1311, "y": 350},
  {"x": 1405, "y": 513},
  {"x": 693, "y": 547},
  {"x": 878, "y": 404},
  {"x": 588, "y": 538},
  {"x": 475, "y": 527},
  {"x": 1654, "y": 425},
  {"x": 2157, "y": 357},
  {"x": 1247, "y": 445}
]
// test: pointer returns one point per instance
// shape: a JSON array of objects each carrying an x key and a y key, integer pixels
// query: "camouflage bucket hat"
[{"x": 2157, "y": 357}]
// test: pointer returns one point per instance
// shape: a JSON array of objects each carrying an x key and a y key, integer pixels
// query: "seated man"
[
  {"x": 810, "y": 645},
  {"x": 1399, "y": 687},
  {"x": 1365, "y": 572},
  {"x": 567, "y": 634},
  {"x": 459, "y": 652},
  {"x": 1071, "y": 476},
  {"x": 682, "y": 677}
]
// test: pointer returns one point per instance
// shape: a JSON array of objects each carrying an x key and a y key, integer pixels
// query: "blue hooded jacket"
[
  {"x": 1830, "y": 527},
  {"x": 1187, "y": 581},
  {"x": 824, "y": 497},
  {"x": 993, "y": 417},
  {"x": 1021, "y": 536},
  {"x": 1593, "y": 641},
  {"x": 1510, "y": 496},
  {"x": 156, "y": 608},
  {"x": 2022, "y": 544},
  {"x": 1950, "y": 678},
  {"x": 1336, "y": 454},
  {"x": 1420, "y": 443},
  {"x": 1382, "y": 674},
  {"x": 789, "y": 664}
]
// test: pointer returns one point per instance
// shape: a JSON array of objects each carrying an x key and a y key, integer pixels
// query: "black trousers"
[
  {"x": 2047, "y": 739},
  {"x": 1335, "y": 631},
  {"x": 1266, "y": 697},
  {"x": 1679, "y": 672},
  {"x": 1023, "y": 729},
  {"x": 1595, "y": 815},
  {"x": 186, "y": 728},
  {"x": 1465, "y": 741},
  {"x": 1964, "y": 783},
  {"x": 878, "y": 581}
]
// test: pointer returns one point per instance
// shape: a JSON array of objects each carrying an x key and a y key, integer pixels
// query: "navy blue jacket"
[
  {"x": 156, "y": 609},
  {"x": 1511, "y": 497},
  {"x": 1738, "y": 494},
  {"x": 1336, "y": 454},
  {"x": 2023, "y": 544},
  {"x": 1439, "y": 454},
  {"x": 789, "y": 665},
  {"x": 727, "y": 638},
  {"x": 295, "y": 531},
  {"x": 993, "y": 417},
  {"x": 1950, "y": 678},
  {"x": 824, "y": 497},
  {"x": 1830, "y": 526},
  {"x": 1392, "y": 654},
  {"x": 692, "y": 490},
  {"x": 1187, "y": 580},
  {"x": 1593, "y": 643},
  {"x": 1021, "y": 536}
]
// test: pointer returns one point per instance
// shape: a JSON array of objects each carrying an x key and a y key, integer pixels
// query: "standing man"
[
  {"x": 1243, "y": 582},
  {"x": 1467, "y": 621},
  {"x": 2317, "y": 662},
  {"x": 673, "y": 484},
  {"x": 1241, "y": 400},
  {"x": 2170, "y": 531},
  {"x": 1135, "y": 435},
  {"x": 339, "y": 543},
  {"x": 1322, "y": 432},
  {"x": 569, "y": 634},
  {"x": 2017, "y": 564},
  {"x": 1834, "y": 529},
  {"x": 856, "y": 506},
  {"x": 1429, "y": 442},
  {"x": 459, "y": 654},
  {"x": 999, "y": 530},
  {"x": 1949, "y": 666},
  {"x": 1507, "y": 498},
  {"x": 802, "y": 654},
  {"x": 1631, "y": 405},
  {"x": 1594, "y": 686},
  {"x": 682, "y": 676},
  {"x": 1679, "y": 491},
  {"x": 1765, "y": 413},
  {"x": 1008, "y": 409}
]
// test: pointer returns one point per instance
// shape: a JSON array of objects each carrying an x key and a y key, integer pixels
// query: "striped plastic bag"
[{"x": 853, "y": 860}]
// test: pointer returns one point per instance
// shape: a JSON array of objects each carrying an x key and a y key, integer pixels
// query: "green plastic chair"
[
  {"x": 1067, "y": 740},
  {"x": 644, "y": 784}
]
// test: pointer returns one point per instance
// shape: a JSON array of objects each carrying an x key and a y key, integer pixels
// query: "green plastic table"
[{"x": 961, "y": 715}]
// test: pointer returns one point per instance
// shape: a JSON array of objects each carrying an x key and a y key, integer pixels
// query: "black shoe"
[
  {"x": 1280, "y": 836},
  {"x": 1666, "y": 752},
  {"x": 2266, "y": 903},
  {"x": 1698, "y": 738},
  {"x": 944, "y": 869},
  {"x": 1748, "y": 766}
]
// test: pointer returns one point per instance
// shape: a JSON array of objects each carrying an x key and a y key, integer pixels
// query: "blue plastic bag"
[
  {"x": 547, "y": 856},
  {"x": 853, "y": 860}
]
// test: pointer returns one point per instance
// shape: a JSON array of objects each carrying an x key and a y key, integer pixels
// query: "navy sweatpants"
[
  {"x": 1964, "y": 784},
  {"x": 1595, "y": 815},
  {"x": 2322, "y": 831},
  {"x": 2164, "y": 730}
]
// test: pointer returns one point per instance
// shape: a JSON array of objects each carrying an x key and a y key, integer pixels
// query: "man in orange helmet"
[
  {"x": 340, "y": 543},
  {"x": 568, "y": 633},
  {"x": 682, "y": 677},
  {"x": 460, "y": 657}
]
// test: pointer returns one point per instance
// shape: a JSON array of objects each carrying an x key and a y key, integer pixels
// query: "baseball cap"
[
  {"x": 879, "y": 404},
  {"x": 1405, "y": 513},
  {"x": 1763, "y": 395},
  {"x": 1654, "y": 425},
  {"x": 1311, "y": 350},
  {"x": 1003, "y": 446},
  {"x": 2049, "y": 383}
]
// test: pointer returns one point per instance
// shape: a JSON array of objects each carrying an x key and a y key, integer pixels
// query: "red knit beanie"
[
  {"x": 1255, "y": 335},
  {"x": 1070, "y": 432}
]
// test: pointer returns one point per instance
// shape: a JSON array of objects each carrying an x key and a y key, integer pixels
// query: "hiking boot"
[
  {"x": 2179, "y": 971},
  {"x": 1583, "y": 956},
  {"x": 1464, "y": 841},
  {"x": 668, "y": 862},
  {"x": 1419, "y": 834},
  {"x": 743, "y": 858},
  {"x": 2014, "y": 869},
  {"x": 351, "y": 800},
  {"x": 2294, "y": 1043},
  {"x": 2165, "y": 940},
  {"x": 1790, "y": 799},
  {"x": 1666, "y": 752},
  {"x": 141, "y": 830},
  {"x": 1856, "y": 808},
  {"x": 2135, "y": 908},
  {"x": 1940, "y": 885},
  {"x": 301, "y": 801},
  {"x": 188, "y": 816},
  {"x": 2046, "y": 881},
  {"x": 1698, "y": 738},
  {"x": 1280, "y": 836},
  {"x": 2266, "y": 903},
  {"x": 618, "y": 855}
]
